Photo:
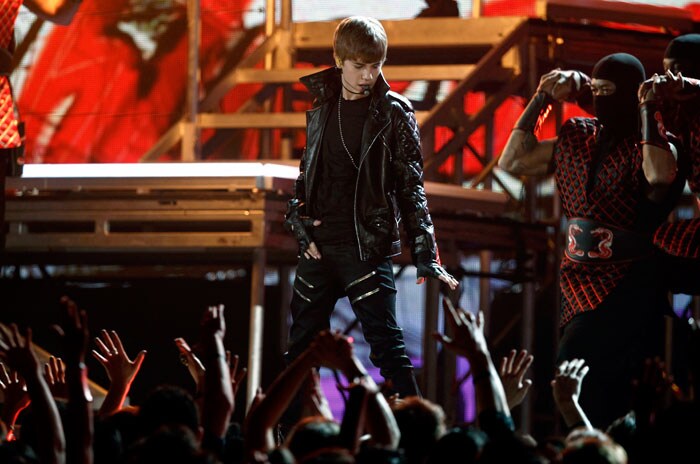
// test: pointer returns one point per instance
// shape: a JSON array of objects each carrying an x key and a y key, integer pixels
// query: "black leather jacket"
[{"x": 390, "y": 180}]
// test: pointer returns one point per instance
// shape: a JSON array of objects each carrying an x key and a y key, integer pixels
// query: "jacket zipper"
[{"x": 357, "y": 183}]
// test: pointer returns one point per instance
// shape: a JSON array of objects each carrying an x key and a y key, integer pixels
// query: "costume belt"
[{"x": 589, "y": 241}]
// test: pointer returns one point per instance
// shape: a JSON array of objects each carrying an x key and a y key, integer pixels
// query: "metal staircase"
[{"x": 476, "y": 54}]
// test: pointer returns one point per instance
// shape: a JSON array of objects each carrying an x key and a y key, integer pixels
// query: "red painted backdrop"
[{"x": 99, "y": 92}]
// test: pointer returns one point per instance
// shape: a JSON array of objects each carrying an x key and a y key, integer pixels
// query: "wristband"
[
  {"x": 535, "y": 113},
  {"x": 653, "y": 130}
]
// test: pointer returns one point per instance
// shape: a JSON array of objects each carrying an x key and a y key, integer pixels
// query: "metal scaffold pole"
[{"x": 190, "y": 146}]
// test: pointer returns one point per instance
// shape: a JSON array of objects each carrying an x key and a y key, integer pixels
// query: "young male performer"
[{"x": 362, "y": 164}]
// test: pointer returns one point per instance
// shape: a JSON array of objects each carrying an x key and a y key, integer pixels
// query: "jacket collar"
[{"x": 325, "y": 84}]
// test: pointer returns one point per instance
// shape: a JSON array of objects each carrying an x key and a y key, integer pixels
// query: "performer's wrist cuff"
[{"x": 535, "y": 112}]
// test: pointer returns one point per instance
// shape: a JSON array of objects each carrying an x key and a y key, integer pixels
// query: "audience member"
[{"x": 171, "y": 426}]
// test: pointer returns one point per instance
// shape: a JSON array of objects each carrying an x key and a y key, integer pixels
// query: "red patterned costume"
[
  {"x": 613, "y": 301},
  {"x": 613, "y": 198},
  {"x": 9, "y": 134},
  {"x": 681, "y": 239},
  {"x": 10, "y": 138},
  {"x": 611, "y": 306},
  {"x": 693, "y": 145},
  {"x": 609, "y": 192}
]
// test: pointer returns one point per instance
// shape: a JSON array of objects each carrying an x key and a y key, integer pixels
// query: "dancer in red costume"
[
  {"x": 616, "y": 188},
  {"x": 678, "y": 95}
]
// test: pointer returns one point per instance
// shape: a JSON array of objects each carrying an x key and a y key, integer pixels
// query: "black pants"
[
  {"x": 614, "y": 340},
  {"x": 370, "y": 287}
]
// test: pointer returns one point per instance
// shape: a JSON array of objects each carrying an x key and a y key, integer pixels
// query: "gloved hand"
[
  {"x": 427, "y": 266},
  {"x": 298, "y": 225},
  {"x": 562, "y": 85},
  {"x": 669, "y": 86}
]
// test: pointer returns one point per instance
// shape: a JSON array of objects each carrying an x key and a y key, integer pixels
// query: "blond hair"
[{"x": 359, "y": 38}]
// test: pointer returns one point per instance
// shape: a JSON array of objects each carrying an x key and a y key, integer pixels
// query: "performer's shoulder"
[{"x": 404, "y": 102}]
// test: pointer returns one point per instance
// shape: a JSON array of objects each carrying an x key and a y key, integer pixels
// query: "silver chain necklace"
[{"x": 342, "y": 139}]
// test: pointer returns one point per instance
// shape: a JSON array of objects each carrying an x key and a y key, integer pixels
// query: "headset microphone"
[{"x": 365, "y": 89}]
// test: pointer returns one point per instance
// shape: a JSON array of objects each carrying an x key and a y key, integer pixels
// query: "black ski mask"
[
  {"x": 685, "y": 51},
  {"x": 618, "y": 112}
]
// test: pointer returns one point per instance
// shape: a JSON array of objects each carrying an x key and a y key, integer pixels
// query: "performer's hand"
[
  {"x": 468, "y": 338},
  {"x": 433, "y": 269},
  {"x": 512, "y": 372},
  {"x": 55, "y": 374},
  {"x": 559, "y": 84},
  {"x": 14, "y": 391},
  {"x": 194, "y": 366},
  {"x": 16, "y": 351},
  {"x": 299, "y": 225},
  {"x": 312, "y": 250},
  {"x": 566, "y": 385},
  {"x": 74, "y": 332},
  {"x": 237, "y": 372},
  {"x": 333, "y": 350},
  {"x": 645, "y": 92},
  {"x": 110, "y": 352},
  {"x": 667, "y": 86}
]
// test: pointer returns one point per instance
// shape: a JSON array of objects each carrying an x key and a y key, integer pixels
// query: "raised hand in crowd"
[
  {"x": 512, "y": 371},
  {"x": 120, "y": 369},
  {"x": 217, "y": 398},
  {"x": 55, "y": 373},
  {"x": 367, "y": 412},
  {"x": 194, "y": 365},
  {"x": 335, "y": 351},
  {"x": 17, "y": 353},
  {"x": 16, "y": 398},
  {"x": 267, "y": 409},
  {"x": 566, "y": 389},
  {"x": 196, "y": 368},
  {"x": 75, "y": 335},
  {"x": 313, "y": 399},
  {"x": 237, "y": 372},
  {"x": 332, "y": 350},
  {"x": 468, "y": 341}
]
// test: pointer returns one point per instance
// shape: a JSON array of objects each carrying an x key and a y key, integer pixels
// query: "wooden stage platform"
[{"x": 155, "y": 216}]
